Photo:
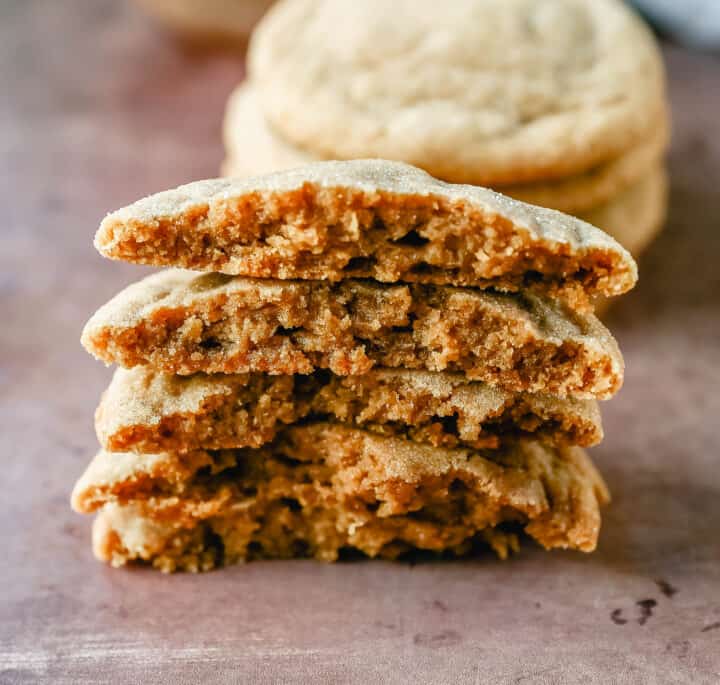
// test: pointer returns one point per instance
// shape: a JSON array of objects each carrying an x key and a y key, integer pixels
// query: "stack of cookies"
[
  {"x": 559, "y": 103},
  {"x": 362, "y": 358}
]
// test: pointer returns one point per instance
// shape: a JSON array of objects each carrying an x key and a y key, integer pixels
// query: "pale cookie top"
[
  {"x": 367, "y": 218},
  {"x": 488, "y": 91},
  {"x": 253, "y": 147}
]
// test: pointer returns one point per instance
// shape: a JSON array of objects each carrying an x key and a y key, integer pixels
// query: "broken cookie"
[
  {"x": 181, "y": 322},
  {"x": 147, "y": 411},
  {"x": 321, "y": 488}
]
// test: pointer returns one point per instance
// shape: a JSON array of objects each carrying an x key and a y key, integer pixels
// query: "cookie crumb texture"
[
  {"x": 183, "y": 323},
  {"x": 146, "y": 411},
  {"x": 368, "y": 219},
  {"x": 325, "y": 489}
]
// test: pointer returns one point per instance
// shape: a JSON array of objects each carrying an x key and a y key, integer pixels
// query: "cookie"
[
  {"x": 323, "y": 487},
  {"x": 367, "y": 219},
  {"x": 181, "y": 322},
  {"x": 252, "y": 147},
  {"x": 495, "y": 92},
  {"x": 147, "y": 411},
  {"x": 125, "y": 535}
]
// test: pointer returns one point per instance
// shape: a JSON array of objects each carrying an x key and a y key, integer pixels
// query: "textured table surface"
[{"x": 99, "y": 109}]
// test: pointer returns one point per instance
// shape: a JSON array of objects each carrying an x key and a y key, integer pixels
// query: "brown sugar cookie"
[
  {"x": 181, "y": 322},
  {"x": 367, "y": 219},
  {"x": 494, "y": 92},
  {"x": 252, "y": 147},
  {"x": 148, "y": 411},
  {"x": 324, "y": 487}
]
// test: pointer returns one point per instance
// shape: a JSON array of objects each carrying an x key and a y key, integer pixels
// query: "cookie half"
[
  {"x": 367, "y": 219},
  {"x": 181, "y": 322},
  {"x": 322, "y": 488},
  {"x": 253, "y": 148},
  {"x": 496, "y": 92},
  {"x": 147, "y": 411}
]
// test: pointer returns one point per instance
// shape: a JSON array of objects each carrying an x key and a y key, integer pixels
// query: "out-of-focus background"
[{"x": 108, "y": 101}]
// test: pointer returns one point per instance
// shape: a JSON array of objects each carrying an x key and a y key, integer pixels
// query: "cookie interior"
[{"x": 322, "y": 489}]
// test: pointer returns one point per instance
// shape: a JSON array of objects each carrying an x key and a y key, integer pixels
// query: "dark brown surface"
[{"x": 97, "y": 110}]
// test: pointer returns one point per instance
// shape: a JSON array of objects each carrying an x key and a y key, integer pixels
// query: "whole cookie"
[
  {"x": 485, "y": 91},
  {"x": 253, "y": 147}
]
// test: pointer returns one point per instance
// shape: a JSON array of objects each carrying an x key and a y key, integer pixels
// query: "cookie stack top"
[
  {"x": 491, "y": 92},
  {"x": 368, "y": 219}
]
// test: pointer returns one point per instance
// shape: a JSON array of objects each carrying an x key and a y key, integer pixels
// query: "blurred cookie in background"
[
  {"x": 558, "y": 103},
  {"x": 488, "y": 92},
  {"x": 635, "y": 216},
  {"x": 211, "y": 23}
]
